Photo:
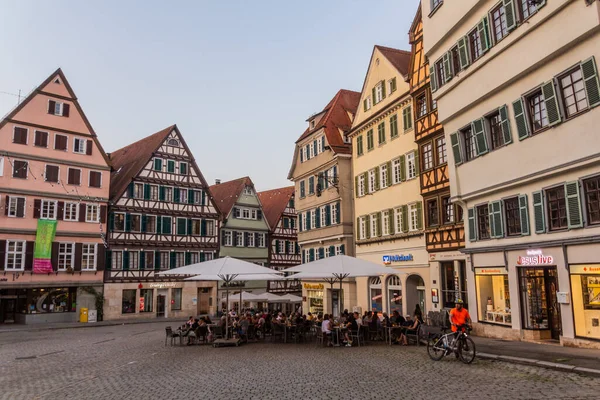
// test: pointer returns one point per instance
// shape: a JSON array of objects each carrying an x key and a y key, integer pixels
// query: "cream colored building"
[
  {"x": 387, "y": 202},
  {"x": 322, "y": 174},
  {"x": 517, "y": 91}
]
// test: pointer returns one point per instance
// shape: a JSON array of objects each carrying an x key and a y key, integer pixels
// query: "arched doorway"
[
  {"x": 375, "y": 294},
  {"x": 394, "y": 286},
  {"x": 415, "y": 294}
]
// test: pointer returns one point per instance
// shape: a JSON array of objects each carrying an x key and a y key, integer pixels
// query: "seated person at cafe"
[
  {"x": 410, "y": 329},
  {"x": 357, "y": 319},
  {"x": 299, "y": 320},
  {"x": 352, "y": 326},
  {"x": 190, "y": 321},
  {"x": 326, "y": 329},
  {"x": 309, "y": 317},
  {"x": 397, "y": 318},
  {"x": 386, "y": 320}
]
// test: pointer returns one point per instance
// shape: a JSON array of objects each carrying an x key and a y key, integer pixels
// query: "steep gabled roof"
[
  {"x": 226, "y": 194},
  {"x": 274, "y": 203},
  {"x": 128, "y": 161},
  {"x": 400, "y": 59}
]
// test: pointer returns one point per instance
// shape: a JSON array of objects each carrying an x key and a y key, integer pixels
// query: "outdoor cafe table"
[
  {"x": 391, "y": 329},
  {"x": 339, "y": 329}
]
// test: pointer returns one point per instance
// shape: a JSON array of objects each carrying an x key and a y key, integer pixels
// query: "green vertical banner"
[{"x": 42, "y": 254}]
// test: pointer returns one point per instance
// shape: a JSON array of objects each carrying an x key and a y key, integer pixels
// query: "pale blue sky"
[{"x": 239, "y": 78}]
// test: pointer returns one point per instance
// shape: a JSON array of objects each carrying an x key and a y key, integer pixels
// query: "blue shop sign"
[{"x": 397, "y": 258}]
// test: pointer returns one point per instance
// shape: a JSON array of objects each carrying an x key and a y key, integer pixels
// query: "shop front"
[
  {"x": 320, "y": 296},
  {"x": 493, "y": 296},
  {"x": 585, "y": 286}
]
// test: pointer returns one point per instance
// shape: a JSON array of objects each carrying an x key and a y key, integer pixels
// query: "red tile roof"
[
  {"x": 128, "y": 161},
  {"x": 336, "y": 118},
  {"x": 400, "y": 59},
  {"x": 274, "y": 203},
  {"x": 226, "y": 194}
]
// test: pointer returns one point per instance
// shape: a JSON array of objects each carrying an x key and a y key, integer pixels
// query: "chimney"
[{"x": 217, "y": 181}]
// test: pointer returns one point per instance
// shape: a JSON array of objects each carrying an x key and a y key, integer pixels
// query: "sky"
[{"x": 239, "y": 78}]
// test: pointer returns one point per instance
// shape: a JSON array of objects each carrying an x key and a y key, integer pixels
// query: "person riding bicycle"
[{"x": 459, "y": 316}]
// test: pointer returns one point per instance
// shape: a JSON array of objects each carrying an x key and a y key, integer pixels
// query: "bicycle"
[{"x": 441, "y": 345}]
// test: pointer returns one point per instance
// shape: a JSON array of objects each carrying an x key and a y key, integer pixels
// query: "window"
[
  {"x": 117, "y": 260},
  {"x": 239, "y": 239},
  {"x": 557, "y": 208},
  {"x": 302, "y": 189},
  {"x": 20, "y": 169},
  {"x": 334, "y": 213},
  {"x": 320, "y": 145},
  {"x": 421, "y": 106},
  {"x": 372, "y": 179},
  {"x": 591, "y": 188},
  {"x": 339, "y": 249},
  {"x": 168, "y": 194},
  {"x": 435, "y": 4},
  {"x": 379, "y": 92},
  {"x": 183, "y": 168},
  {"x": 61, "y": 142},
  {"x": 373, "y": 225},
  {"x": 470, "y": 145},
  {"x": 392, "y": 85},
  {"x": 447, "y": 211},
  {"x": 20, "y": 135},
  {"x": 513, "y": 217},
  {"x": 128, "y": 301},
  {"x": 495, "y": 124},
  {"x": 56, "y": 108},
  {"x": 383, "y": 174},
  {"x": 291, "y": 248},
  {"x": 261, "y": 240},
  {"x": 74, "y": 176},
  {"x": 183, "y": 195},
  {"x": 483, "y": 222},
  {"x": 362, "y": 227},
  {"x": 396, "y": 171},
  {"x": 41, "y": 139},
  {"x": 250, "y": 242},
  {"x": 179, "y": 259},
  {"x": 52, "y": 173},
  {"x": 440, "y": 72},
  {"x": 194, "y": 257},
  {"x": 158, "y": 164},
  {"x": 427, "y": 156},
  {"x": 455, "y": 60},
  {"x": 407, "y": 118},
  {"x": 79, "y": 146},
  {"x": 195, "y": 227},
  {"x": 88, "y": 256},
  {"x": 119, "y": 222},
  {"x": 173, "y": 142},
  {"x": 16, "y": 207},
  {"x": 311, "y": 185},
  {"x": 304, "y": 154},
  {"x": 153, "y": 192},
  {"x": 475, "y": 45},
  {"x": 323, "y": 216},
  {"x": 71, "y": 212},
  {"x": 311, "y": 150},
  {"x": 228, "y": 238},
  {"x": 48, "y": 209},
  {"x": 146, "y": 300},
  {"x": 167, "y": 225},
  {"x": 528, "y": 8},
  {"x": 313, "y": 219},
  {"x": 381, "y": 133},
  {"x": 440, "y": 145},
  {"x": 573, "y": 92},
  {"x": 370, "y": 142},
  {"x": 359, "y": 146},
  {"x": 499, "y": 26},
  {"x": 66, "y": 254},
  {"x": 136, "y": 222},
  {"x": 138, "y": 190},
  {"x": 92, "y": 213},
  {"x": 281, "y": 246},
  {"x": 433, "y": 218},
  {"x": 150, "y": 226},
  {"x": 368, "y": 103},
  {"x": 15, "y": 255},
  {"x": 493, "y": 298},
  {"x": 394, "y": 126},
  {"x": 411, "y": 166},
  {"x": 385, "y": 222},
  {"x": 413, "y": 212},
  {"x": 176, "y": 294},
  {"x": 537, "y": 111},
  {"x": 95, "y": 179},
  {"x": 165, "y": 259}
]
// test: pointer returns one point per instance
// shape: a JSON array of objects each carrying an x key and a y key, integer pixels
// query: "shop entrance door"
[
  {"x": 552, "y": 306},
  {"x": 7, "y": 310},
  {"x": 204, "y": 300},
  {"x": 421, "y": 297},
  {"x": 160, "y": 305}
]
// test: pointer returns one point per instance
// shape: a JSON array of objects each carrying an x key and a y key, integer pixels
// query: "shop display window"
[
  {"x": 128, "y": 301},
  {"x": 539, "y": 305},
  {"x": 586, "y": 304},
  {"x": 493, "y": 299},
  {"x": 50, "y": 300},
  {"x": 146, "y": 300},
  {"x": 315, "y": 301},
  {"x": 394, "y": 294},
  {"x": 376, "y": 293},
  {"x": 176, "y": 298}
]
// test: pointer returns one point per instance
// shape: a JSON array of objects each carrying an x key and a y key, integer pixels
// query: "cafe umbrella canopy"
[{"x": 336, "y": 268}]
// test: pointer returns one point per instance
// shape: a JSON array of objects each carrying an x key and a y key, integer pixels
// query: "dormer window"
[
  {"x": 248, "y": 190},
  {"x": 58, "y": 108},
  {"x": 312, "y": 124}
]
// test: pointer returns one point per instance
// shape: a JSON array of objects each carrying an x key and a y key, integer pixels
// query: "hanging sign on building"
[
  {"x": 42, "y": 254},
  {"x": 315, "y": 286},
  {"x": 535, "y": 257},
  {"x": 387, "y": 260}
]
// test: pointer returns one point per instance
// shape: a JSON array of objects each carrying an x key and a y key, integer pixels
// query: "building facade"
[
  {"x": 322, "y": 174},
  {"x": 280, "y": 211},
  {"x": 162, "y": 216},
  {"x": 518, "y": 96},
  {"x": 245, "y": 230},
  {"x": 387, "y": 201},
  {"x": 444, "y": 227},
  {"x": 54, "y": 189}
]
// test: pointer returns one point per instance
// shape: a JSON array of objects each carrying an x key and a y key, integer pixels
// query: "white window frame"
[
  {"x": 80, "y": 176},
  {"x": 313, "y": 219},
  {"x": 85, "y": 252},
  {"x": 261, "y": 240},
  {"x": 13, "y": 202},
  {"x": 323, "y": 216},
  {"x": 413, "y": 217},
  {"x": 210, "y": 227},
  {"x": 333, "y": 211},
  {"x": 131, "y": 215},
  {"x": 372, "y": 179},
  {"x": 237, "y": 241},
  {"x": 304, "y": 154},
  {"x": 385, "y": 223},
  {"x": 1, "y": 166},
  {"x": 134, "y": 260},
  {"x": 67, "y": 254},
  {"x": 88, "y": 208},
  {"x": 307, "y": 255},
  {"x": 168, "y": 194},
  {"x": 157, "y": 192},
  {"x": 148, "y": 216},
  {"x": 197, "y": 196},
  {"x": 251, "y": 242},
  {"x": 319, "y": 145},
  {"x": 373, "y": 224},
  {"x": 390, "y": 85},
  {"x": 311, "y": 150},
  {"x": 115, "y": 220},
  {"x": 79, "y": 151},
  {"x": 117, "y": 255},
  {"x": 228, "y": 239},
  {"x": 361, "y": 185},
  {"x": 179, "y": 259},
  {"x": 194, "y": 257},
  {"x": 136, "y": 186},
  {"x": 369, "y": 102},
  {"x": 254, "y": 214},
  {"x": 244, "y": 213},
  {"x": 51, "y": 209},
  {"x": 411, "y": 167},
  {"x": 248, "y": 190},
  {"x": 58, "y": 106},
  {"x": 379, "y": 92},
  {"x": 14, "y": 253},
  {"x": 281, "y": 248},
  {"x": 66, "y": 211},
  {"x": 362, "y": 231},
  {"x": 396, "y": 176},
  {"x": 383, "y": 176},
  {"x": 398, "y": 220},
  {"x": 183, "y": 195},
  {"x": 291, "y": 247},
  {"x": 338, "y": 250},
  {"x": 26, "y": 169}
]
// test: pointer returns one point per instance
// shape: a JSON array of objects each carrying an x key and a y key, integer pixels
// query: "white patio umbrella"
[
  {"x": 292, "y": 298},
  {"x": 224, "y": 269},
  {"x": 338, "y": 267}
]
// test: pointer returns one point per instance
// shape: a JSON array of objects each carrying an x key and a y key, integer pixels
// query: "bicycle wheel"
[
  {"x": 466, "y": 350},
  {"x": 435, "y": 348}
]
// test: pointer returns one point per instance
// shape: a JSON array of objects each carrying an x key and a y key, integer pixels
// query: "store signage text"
[
  {"x": 535, "y": 257},
  {"x": 313, "y": 286},
  {"x": 490, "y": 271},
  {"x": 161, "y": 285},
  {"x": 387, "y": 260}
]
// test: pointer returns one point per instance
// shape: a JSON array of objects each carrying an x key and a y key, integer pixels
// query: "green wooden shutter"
[
  {"x": 373, "y": 93},
  {"x": 156, "y": 260},
  {"x": 478, "y": 127},
  {"x": 276, "y": 246},
  {"x": 377, "y": 178},
  {"x": 203, "y": 227},
  {"x": 338, "y": 212},
  {"x": 318, "y": 217},
  {"x": 592, "y": 81},
  {"x": 365, "y": 105},
  {"x": 551, "y": 101},
  {"x": 389, "y": 173},
  {"x": 391, "y": 221},
  {"x": 146, "y": 191},
  {"x": 404, "y": 118},
  {"x": 433, "y": 79},
  {"x": 524, "y": 214},
  {"x": 181, "y": 226},
  {"x": 539, "y": 213},
  {"x": 379, "y": 224},
  {"x": 327, "y": 215},
  {"x": 472, "y": 225},
  {"x": 505, "y": 124},
  {"x": 404, "y": 209},
  {"x": 394, "y": 86},
  {"x": 159, "y": 224},
  {"x": 456, "y": 148},
  {"x": 510, "y": 14},
  {"x": 484, "y": 34},
  {"x": 463, "y": 52},
  {"x": 130, "y": 190},
  {"x": 111, "y": 221},
  {"x": 447, "y": 59},
  {"x": 417, "y": 163},
  {"x": 356, "y": 186},
  {"x": 203, "y": 199},
  {"x": 403, "y": 168},
  {"x": 127, "y": 222},
  {"x": 125, "y": 265},
  {"x": 342, "y": 249},
  {"x": 170, "y": 166},
  {"x": 144, "y": 223},
  {"x": 383, "y": 94},
  {"x": 331, "y": 251},
  {"x": 191, "y": 194},
  {"x": 521, "y": 119},
  {"x": 175, "y": 195},
  {"x": 420, "y": 215},
  {"x": 161, "y": 193},
  {"x": 321, "y": 252},
  {"x": 172, "y": 259},
  {"x": 496, "y": 219},
  {"x": 311, "y": 255},
  {"x": 358, "y": 228},
  {"x": 368, "y": 232},
  {"x": 142, "y": 260},
  {"x": 573, "y": 200},
  {"x": 167, "y": 225}
]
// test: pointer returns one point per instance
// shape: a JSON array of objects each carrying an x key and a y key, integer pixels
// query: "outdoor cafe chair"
[
  {"x": 320, "y": 338},
  {"x": 278, "y": 332},
  {"x": 356, "y": 336},
  {"x": 172, "y": 335}
]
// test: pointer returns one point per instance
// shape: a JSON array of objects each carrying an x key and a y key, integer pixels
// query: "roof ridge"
[
  {"x": 392, "y": 49},
  {"x": 169, "y": 128}
]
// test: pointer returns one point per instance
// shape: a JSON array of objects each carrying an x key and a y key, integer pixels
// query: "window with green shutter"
[
  {"x": 472, "y": 225},
  {"x": 158, "y": 164},
  {"x": 419, "y": 207},
  {"x": 463, "y": 52},
  {"x": 456, "y": 150},
  {"x": 393, "y": 86},
  {"x": 551, "y": 101},
  {"x": 359, "y": 146},
  {"x": 524, "y": 214},
  {"x": 183, "y": 168},
  {"x": 311, "y": 185},
  {"x": 496, "y": 220},
  {"x": 370, "y": 142},
  {"x": 589, "y": 69},
  {"x": 539, "y": 213},
  {"x": 520, "y": 119},
  {"x": 574, "y": 213},
  {"x": 478, "y": 127},
  {"x": 302, "y": 189},
  {"x": 166, "y": 225},
  {"x": 394, "y": 126},
  {"x": 407, "y": 118},
  {"x": 181, "y": 226},
  {"x": 170, "y": 166},
  {"x": 381, "y": 132}
]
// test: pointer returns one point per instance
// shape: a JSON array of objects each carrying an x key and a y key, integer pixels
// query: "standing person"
[{"x": 418, "y": 314}]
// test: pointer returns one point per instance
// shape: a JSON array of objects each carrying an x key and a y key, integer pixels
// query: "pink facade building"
[{"x": 54, "y": 175}]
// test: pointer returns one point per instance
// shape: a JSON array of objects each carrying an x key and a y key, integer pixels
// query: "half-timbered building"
[
  {"x": 162, "y": 216},
  {"x": 444, "y": 230},
  {"x": 54, "y": 179},
  {"x": 284, "y": 252}
]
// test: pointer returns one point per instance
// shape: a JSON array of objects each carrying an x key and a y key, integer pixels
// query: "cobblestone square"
[{"x": 132, "y": 362}]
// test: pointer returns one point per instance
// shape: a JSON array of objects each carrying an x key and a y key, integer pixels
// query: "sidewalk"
[
  {"x": 568, "y": 359},
  {"x": 76, "y": 325}
]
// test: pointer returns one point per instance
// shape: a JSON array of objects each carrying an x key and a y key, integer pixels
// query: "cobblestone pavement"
[{"x": 132, "y": 362}]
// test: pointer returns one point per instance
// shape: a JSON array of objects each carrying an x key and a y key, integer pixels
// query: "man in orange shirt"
[{"x": 459, "y": 316}]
